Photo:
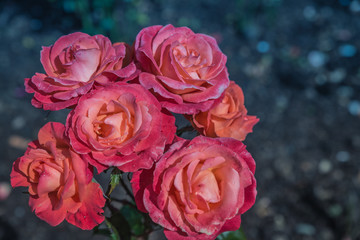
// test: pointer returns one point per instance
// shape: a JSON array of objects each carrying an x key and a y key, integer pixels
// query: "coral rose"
[
  {"x": 59, "y": 181},
  {"x": 186, "y": 71},
  {"x": 227, "y": 118},
  {"x": 73, "y": 65},
  {"x": 198, "y": 188},
  {"x": 120, "y": 125}
]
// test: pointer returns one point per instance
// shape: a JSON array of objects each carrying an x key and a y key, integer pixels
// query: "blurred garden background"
[{"x": 298, "y": 63}]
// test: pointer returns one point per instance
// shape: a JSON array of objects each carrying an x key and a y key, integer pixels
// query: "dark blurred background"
[{"x": 298, "y": 63}]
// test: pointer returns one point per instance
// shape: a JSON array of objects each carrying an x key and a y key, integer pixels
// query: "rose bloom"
[
  {"x": 73, "y": 65},
  {"x": 186, "y": 71},
  {"x": 199, "y": 188},
  {"x": 60, "y": 182},
  {"x": 120, "y": 125},
  {"x": 227, "y": 118}
]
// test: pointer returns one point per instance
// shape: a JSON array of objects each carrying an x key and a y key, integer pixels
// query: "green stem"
[
  {"x": 126, "y": 188},
  {"x": 124, "y": 201}
]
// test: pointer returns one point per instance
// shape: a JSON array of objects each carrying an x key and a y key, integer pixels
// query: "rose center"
[
  {"x": 103, "y": 130},
  {"x": 190, "y": 59},
  {"x": 116, "y": 127},
  {"x": 70, "y": 53},
  {"x": 206, "y": 187}
]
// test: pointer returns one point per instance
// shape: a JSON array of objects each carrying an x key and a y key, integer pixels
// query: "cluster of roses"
[{"x": 121, "y": 98}]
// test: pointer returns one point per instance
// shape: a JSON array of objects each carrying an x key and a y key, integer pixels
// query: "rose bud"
[
  {"x": 227, "y": 118},
  {"x": 185, "y": 71},
  {"x": 60, "y": 182},
  {"x": 199, "y": 188},
  {"x": 74, "y": 65},
  {"x": 120, "y": 125}
]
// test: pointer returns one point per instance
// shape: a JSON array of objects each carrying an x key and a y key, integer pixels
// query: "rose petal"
[{"x": 90, "y": 213}]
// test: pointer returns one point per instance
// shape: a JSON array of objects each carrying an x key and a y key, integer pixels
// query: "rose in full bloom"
[
  {"x": 73, "y": 65},
  {"x": 186, "y": 71},
  {"x": 60, "y": 182},
  {"x": 227, "y": 118},
  {"x": 198, "y": 188},
  {"x": 120, "y": 125}
]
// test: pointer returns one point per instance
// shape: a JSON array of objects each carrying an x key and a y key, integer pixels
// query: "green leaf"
[
  {"x": 114, "y": 180},
  {"x": 232, "y": 235},
  {"x": 101, "y": 231},
  {"x": 119, "y": 227},
  {"x": 134, "y": 218},
  {"x": 114, "y": 234}
]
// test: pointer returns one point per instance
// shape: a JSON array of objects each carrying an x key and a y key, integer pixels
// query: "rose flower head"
[
  {"x": 186, "y": 71},
  {"x": 120, "y": 125},
  {"x": 199, "y": 188},
  {"x": 60, "y": 182},
  {"x": 73, "y": 65},
  {"x": 227, "y": 118}
]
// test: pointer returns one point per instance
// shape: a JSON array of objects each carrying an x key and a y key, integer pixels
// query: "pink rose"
[
  {"x": 227, "y": 118},
  {"x": 59, "y": 181},
  {"x": 120, "y": 125},
  {"x": 186, "y": 71},
  {"x": 73, "y": 65},
  {"x": 198, "y": 188}
]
